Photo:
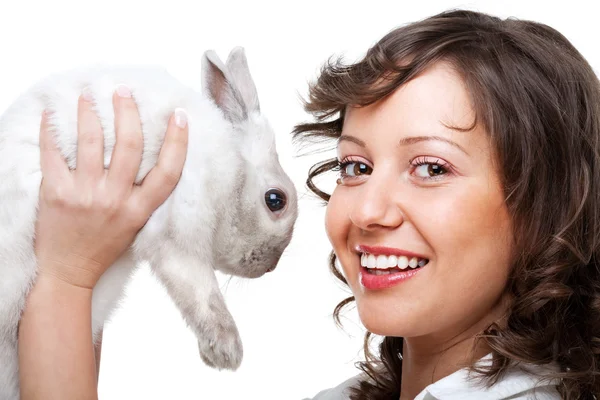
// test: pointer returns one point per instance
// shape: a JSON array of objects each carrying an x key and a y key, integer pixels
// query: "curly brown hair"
[{"x": 539, "y": 100}]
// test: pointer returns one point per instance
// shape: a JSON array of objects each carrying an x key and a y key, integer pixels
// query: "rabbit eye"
[{"x": 275, "y": 199}]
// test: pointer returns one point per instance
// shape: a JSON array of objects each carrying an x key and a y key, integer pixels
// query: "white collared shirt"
[{"x": 516, "y": 384}]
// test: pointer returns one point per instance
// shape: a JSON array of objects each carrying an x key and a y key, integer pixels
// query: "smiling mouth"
[{"x": 385, "y": 265}]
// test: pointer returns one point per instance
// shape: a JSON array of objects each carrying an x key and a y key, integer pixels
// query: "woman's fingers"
[
  {"x": 127, "y": 154},
  {"x": 54, "y": 167},
  {"x": 90, "y": 141},
  {"x": 162, "y": 179},
  {"x": 158, "y": 183}
]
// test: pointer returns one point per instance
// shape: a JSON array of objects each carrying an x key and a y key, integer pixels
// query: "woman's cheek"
[
  {"x": 338, "y": 224},
  {"x": 334, "y": 223}
]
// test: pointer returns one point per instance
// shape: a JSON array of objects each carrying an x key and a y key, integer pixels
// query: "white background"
[{"x": 292, "y": 347}]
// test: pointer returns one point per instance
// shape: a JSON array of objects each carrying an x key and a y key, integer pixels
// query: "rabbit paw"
[{"x": 221, "y": 346}]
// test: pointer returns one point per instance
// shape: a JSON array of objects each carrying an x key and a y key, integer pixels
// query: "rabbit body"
[{"x": 215, "y": 219}]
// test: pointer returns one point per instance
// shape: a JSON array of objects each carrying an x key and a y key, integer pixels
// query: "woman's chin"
[{"x": 384, "y": 320}]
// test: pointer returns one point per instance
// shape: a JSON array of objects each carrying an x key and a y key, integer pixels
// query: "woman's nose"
[{"x": 374, "y": 206}]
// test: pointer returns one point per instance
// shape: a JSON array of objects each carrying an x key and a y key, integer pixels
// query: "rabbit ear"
[
  {"x": 221, "y": 88},
  {"x": 238, "y": 67}
]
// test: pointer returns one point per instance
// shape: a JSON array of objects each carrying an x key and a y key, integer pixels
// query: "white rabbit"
[{"x": 233, "y": 209}]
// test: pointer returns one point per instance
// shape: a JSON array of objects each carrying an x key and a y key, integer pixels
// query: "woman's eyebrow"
[
  {"x": 352, "y": 139},
  {"x": 405, "y": 141},
  {"x": 416, "y": 139}
]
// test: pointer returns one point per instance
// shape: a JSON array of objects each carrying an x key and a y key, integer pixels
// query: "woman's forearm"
[{"x": 56, "y": 353}]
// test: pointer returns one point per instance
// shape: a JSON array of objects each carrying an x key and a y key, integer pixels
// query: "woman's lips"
[
  {"x": 382, "y": 267},
  {"x": 372, "y": 281}
]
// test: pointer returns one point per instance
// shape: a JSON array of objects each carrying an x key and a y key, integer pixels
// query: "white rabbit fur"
[{"x": 215, "y": 219}]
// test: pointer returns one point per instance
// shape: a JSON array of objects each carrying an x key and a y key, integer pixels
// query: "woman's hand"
[{"x": 87, "y": 218}]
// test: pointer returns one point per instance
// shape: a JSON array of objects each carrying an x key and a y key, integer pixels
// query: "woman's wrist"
[
  {"x": 71, "y": 276},
  {"x": 57, "y": 290}
]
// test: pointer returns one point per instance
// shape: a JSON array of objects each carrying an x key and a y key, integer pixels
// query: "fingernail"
[
  {"x": 123, "y": 91},
  {"x": 87, "y": 94},
  {"x": 180, "y": 117}
]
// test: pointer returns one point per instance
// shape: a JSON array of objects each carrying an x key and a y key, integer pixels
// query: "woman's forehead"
[{"x": 434, "y": 103}]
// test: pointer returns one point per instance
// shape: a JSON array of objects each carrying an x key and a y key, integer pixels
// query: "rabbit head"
[{"x": 258, "y": 225}]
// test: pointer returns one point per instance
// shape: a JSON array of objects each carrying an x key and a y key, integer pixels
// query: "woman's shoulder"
[
  {"x": 523, "y": 383},
  {"x": 339, "y": 392}
]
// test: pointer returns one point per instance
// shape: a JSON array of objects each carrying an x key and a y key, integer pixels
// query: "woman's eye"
[
  {"x": 427, "y": 170},
  {"x": 354, "y": 168}
]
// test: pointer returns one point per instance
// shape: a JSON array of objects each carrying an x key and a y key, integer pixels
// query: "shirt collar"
[{"x": 461, "y": 385}]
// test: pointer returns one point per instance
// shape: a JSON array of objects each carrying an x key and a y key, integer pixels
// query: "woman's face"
[{"x": 426, "y": 200}]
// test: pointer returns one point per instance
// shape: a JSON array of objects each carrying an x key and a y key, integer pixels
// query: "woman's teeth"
[{"x": 383, "y": 263}]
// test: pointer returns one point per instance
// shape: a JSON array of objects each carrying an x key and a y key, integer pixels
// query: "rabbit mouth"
[{"x": 255, "y": 262}]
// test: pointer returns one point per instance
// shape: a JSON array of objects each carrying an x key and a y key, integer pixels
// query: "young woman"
[{"x": 465, "y": 220}]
